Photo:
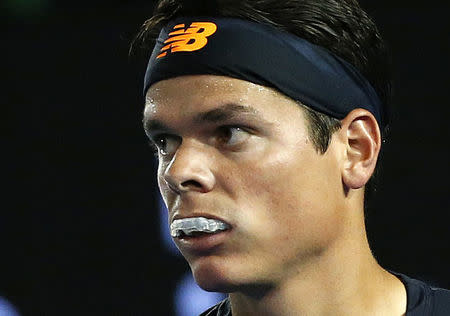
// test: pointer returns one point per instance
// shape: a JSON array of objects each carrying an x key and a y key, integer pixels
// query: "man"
[{"x": 268, "y": 118}]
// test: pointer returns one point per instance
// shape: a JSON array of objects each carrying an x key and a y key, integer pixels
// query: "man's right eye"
[{"x": 165, "y": 144}]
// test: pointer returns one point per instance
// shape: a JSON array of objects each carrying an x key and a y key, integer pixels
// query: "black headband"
[{"x": 263, "y": 55}]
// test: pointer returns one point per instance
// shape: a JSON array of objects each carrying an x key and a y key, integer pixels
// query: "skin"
[{"x": 298, "y": 244}]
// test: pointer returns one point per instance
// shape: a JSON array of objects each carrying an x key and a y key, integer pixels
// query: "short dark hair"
[{"x": 341, "y": 26}]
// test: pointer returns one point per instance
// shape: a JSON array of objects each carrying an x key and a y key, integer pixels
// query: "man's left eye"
[{"x": 232, "y": 135}]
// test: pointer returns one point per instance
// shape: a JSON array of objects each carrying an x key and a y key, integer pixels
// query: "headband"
[{"x": 263, "y": 55}]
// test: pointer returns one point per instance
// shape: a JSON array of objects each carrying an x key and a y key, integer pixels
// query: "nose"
[{"x": 190, "y": 169}]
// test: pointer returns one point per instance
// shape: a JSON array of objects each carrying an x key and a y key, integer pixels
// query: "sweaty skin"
[{"x": 241, "y": 152}]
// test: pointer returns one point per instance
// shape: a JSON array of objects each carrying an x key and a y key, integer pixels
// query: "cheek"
[
  {"x": 160, "y": 179},
  {"x": 290, "y": 196},
  {"x": 164, "y": 189}
]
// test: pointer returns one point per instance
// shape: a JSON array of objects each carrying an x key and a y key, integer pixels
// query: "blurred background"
[{"x": 80, "y": 224}]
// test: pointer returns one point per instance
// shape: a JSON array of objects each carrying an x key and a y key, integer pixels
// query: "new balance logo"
[{"x": 191, "y": 39}]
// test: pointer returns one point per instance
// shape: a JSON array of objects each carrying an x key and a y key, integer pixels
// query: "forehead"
[{"x": 186, "y": 95}]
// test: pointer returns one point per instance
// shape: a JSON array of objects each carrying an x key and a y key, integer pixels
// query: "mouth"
[{"x": 197, "y": 227}]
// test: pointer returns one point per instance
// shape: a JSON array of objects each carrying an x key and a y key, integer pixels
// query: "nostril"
[{"x": 191, "y": 184}]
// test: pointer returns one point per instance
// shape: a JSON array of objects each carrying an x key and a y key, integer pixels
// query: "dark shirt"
[{"x": 423, "y": 300}]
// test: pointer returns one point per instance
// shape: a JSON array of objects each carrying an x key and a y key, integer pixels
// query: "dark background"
[{"x": 79, "y": 227}]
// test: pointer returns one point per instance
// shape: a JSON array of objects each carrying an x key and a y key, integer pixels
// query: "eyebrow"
[
  {"x": 225, "y": 112},
  {"x": 154, "y": 125}
]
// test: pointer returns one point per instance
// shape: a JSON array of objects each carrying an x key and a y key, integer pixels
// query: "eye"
[
  {"x": 232, "y": 135},
  {"x": 165, "y": 144}
]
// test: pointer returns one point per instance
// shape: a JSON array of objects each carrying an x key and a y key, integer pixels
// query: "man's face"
[{"x": 240, "y": 152}]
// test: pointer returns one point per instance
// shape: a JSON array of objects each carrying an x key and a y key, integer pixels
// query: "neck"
[{"x": 343, "y": 280}]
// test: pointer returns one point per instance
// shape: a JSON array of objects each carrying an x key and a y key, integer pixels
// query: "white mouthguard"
[{"x": 191, "y": 225}]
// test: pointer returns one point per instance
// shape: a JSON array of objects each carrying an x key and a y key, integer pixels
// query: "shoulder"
[
  {"x": 441, "y": 301},
  {"x": 220, "y": 309},
  {"x": 424, "y": 299}
]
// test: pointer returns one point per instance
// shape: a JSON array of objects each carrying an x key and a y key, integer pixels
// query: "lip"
[
  {"x": 205, "y": 215},
  {"x": 202, "y": 244}
]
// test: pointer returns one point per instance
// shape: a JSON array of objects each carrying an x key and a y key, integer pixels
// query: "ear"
[{"x": 362, "y": 138}]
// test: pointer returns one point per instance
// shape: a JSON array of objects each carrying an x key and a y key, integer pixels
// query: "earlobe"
[{"x": 363, "y": 141}]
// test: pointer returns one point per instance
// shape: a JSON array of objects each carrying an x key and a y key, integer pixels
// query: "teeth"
[{"x": 192, "y": 225}]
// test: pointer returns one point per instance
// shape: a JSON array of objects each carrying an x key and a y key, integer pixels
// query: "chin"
[{"x": 213, "y": 277}]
